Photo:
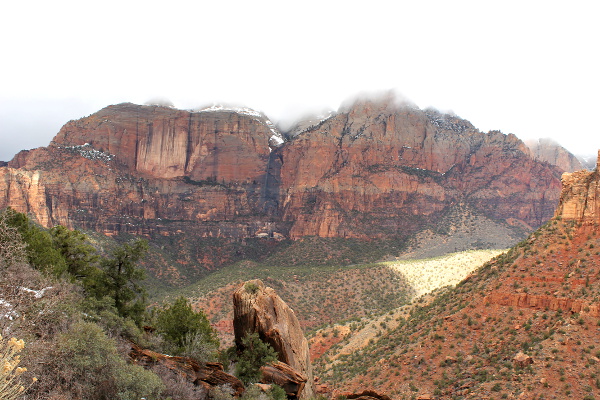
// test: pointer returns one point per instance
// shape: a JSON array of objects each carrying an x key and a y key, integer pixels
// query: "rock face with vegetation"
[
  {"x": 580, "y": 200},
  {"x": 258, "y": 309},
  {"x": 377, "y": 168},
  {"x": 382, "y": 167}
]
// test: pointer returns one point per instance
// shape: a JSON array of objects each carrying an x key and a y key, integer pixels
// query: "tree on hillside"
[
  {"x": 80, "y": 256},
  {"x": 12, "y": 247},
  {"x": 40, "y": 250},
  {"x": 120, "y": 279},
  {"x": 188, "y": 330}
]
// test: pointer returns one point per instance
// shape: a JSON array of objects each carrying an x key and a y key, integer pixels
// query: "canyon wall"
[
  {"x": 381, "y": 168},
  {"x": 376, "y": 169}
]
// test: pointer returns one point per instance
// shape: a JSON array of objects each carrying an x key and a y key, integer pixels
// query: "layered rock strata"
[
  {"x": 377, "y": 169},
  {"x": 381, "y": 168}
]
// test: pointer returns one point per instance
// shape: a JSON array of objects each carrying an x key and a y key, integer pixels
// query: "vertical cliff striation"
[
  {"x": 379, "y": 168},
  {"x": 580, "y": 197},
  {"x": 145, "y": 169},
  {"x": 384, "y": 167}
]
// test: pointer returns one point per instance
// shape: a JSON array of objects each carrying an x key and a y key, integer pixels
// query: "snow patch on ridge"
[
  {"x": 238, "y": 110},
  {"x": 276, "y": 138},
  {"x": 87, "y": 151}
]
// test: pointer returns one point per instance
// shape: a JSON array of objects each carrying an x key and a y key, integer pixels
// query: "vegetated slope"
[
  {"x": 541, "y": 298},
  {"x": 424, "y": 276},
  {"x": 327, "y": 295},
  {"x": 318, "y": 295}
]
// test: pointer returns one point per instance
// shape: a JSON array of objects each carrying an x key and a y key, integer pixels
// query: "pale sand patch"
[{"x": 429, "y": 274}]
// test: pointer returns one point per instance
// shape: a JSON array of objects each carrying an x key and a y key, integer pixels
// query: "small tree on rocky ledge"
[{"x": 254, "y": 355}]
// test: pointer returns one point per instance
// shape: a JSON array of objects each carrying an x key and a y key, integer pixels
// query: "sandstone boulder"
[
  {"x": 522, "y": 360},
  {"x": 285, "y": 376},
  {"x": 207, "y": 375},
  {"x": 259, "y": 309},
  {"x": 367, "y": 395}
]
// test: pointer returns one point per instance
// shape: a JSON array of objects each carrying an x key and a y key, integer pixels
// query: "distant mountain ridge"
[
  {"x": 378, "y": 168},
  {"x": 550, "y": 151}
]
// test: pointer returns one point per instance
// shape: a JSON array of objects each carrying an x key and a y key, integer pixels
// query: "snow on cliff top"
[{"x": 275, "y": 140}]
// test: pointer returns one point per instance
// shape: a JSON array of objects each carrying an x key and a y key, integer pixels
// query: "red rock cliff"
[
  {"x": 580, "y": 198},
  {"x": 378, "y": 169},
  {"x": 145, "y": 169}
]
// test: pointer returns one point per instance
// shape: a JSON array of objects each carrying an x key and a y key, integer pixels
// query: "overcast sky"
[{"x": 525, "y": 67}]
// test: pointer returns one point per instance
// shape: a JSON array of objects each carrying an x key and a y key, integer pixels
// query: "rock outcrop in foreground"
[
  {"x": 207, "y": 375},
  {"x": 259, "y": 309}
]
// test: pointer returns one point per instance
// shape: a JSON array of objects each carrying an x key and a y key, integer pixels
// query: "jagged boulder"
[
  {"x": 367, "y": 395},
  {"x": 285, "y": 376},
  {"x": 522, "y": 360},
  {"x": 207, "y": 375},
  {"x": 259, "y": 309}
]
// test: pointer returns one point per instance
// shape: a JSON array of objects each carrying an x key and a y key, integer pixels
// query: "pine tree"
[
  {"x": 183, "y": 327},
  {"x": 80, "y": 256},
  {"x": 120, "y": 279}
]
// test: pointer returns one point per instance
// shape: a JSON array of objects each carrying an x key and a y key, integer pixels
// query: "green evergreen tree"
[
  {"x": 185, "y": 328},
  {"x": 12, "y": 247},
  {"x": 120, "y": 279},
  {"x": 40, "y": 250},
  {"x": 79, "y": 255},
  {"x": 254, "y": 355}
]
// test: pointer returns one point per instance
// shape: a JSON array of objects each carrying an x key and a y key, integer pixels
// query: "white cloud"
[{"x": 529, "y": 68}]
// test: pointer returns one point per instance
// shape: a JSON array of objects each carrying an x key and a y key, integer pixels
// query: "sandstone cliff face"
[
  {"x": 376, "y": 169},
  {"x": 259, "y": 309},
  {"x": 380, "y": 167},
  {"x": 161, "y": 142},
  {"x": 551, "y": 152},
  {"x": 580, "y": 197},
  {"x": 147, "y": 169}
]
